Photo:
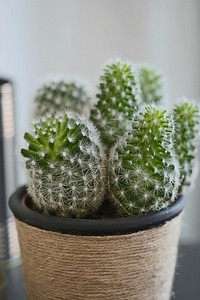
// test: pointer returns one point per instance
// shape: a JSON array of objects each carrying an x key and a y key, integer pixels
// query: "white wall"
[{"x": 41, "y": 37}]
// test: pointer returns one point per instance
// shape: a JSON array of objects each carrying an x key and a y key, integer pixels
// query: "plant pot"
[{"x": 122, "y": 258}]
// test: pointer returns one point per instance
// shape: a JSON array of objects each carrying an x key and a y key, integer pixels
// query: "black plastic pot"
[
  {"x": 24, "y": 213},
  {"x": 97, "y": 258}
]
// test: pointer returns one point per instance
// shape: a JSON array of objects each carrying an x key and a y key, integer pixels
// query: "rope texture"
[{"x": 137, "y": 266}]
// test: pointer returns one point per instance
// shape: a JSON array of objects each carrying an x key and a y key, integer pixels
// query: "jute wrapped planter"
[{"x": 126, "y": 258}]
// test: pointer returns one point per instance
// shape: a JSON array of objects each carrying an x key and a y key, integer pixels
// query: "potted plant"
[{"x": 101, "y": 214}]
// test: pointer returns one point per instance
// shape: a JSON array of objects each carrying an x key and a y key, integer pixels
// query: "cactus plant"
[
  {"x": 151, "y": 83},
  {"x": 64, "y": 161},
  {"x": 56, "y": 95},
  {"x": 187, "y": 118},
  {"x": 119, "y": 95},
  {"x": 144, "y": 172},
  {"x": 140, "y": 165}
]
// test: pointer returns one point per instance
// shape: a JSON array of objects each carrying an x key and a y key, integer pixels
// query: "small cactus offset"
[
  {"x": 187, "y": 119},
  {"x": 119, "y": 95},
  {"x": 56, "y": 96},
  {"x": 151, "y": 83},
  {"x": 64, "y": 162},
  {"x": 144, "y": 173}
]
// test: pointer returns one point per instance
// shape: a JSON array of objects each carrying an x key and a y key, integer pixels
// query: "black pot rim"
[{"x": 92, "y": 227}]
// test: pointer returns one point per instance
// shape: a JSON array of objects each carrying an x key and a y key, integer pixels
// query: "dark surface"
[
  {"x": 20, "y": 203},
  {"x": 187, "y": 278},
  {"x": 14, "y": 289},
  {"x": 186, "y": 286}
]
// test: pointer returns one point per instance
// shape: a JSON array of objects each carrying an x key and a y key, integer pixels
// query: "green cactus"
[
  {"x": 119, "y": 95},
  {"x": 151, "y": 83},
  {"x": 146, "y": 156},
  {"x": 64, "y": 162},
  {"x": 56, "y": 96},
  {"x": 187, "y": 118},
  {"x": 144, "y": 172}
]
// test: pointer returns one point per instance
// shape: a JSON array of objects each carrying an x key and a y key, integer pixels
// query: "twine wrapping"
[{"x": 138, "y": 266}]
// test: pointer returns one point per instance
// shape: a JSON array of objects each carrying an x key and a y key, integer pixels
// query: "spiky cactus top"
[
  {"x": 151, "y": 83},
  {"x": 187, "y": 118},
  {"x": 56, "y": 96},
  {"x": 144, "y": 174},
  {"x": 119, "y": 95},
  {"x": 64, "y": 161}
]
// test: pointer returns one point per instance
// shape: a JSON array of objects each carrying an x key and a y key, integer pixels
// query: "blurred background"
[{"x": 76, "y": 37}]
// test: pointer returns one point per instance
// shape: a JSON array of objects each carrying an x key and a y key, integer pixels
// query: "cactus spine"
[
  {"x": 144, "y": 173},
  {"x": 151, "y": 83},
  {"x": 119, "y": 95},
  {"x": 64, "y": 161},
  {"x": 56, "y": 96},
  {"x": 187, "y": 118}
]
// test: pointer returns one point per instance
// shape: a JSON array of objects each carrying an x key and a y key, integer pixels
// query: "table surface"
[{"x": 186, "y": 285}]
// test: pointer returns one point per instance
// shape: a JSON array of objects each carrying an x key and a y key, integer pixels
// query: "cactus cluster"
[
  {"x": 137, "y": 155},
  {"x": 64, "y": 161},
  {"x": 57, "y": 95}
]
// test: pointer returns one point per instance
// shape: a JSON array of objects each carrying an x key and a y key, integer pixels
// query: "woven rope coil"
[{"x": 138, "y": 266}]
